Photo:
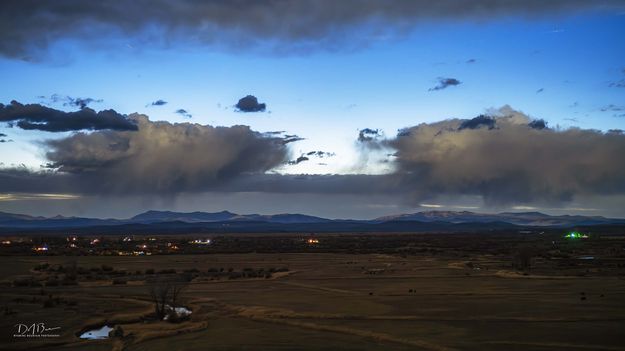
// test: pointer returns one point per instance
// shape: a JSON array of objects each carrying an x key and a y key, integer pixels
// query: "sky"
[{"x": 350, "y": 110}]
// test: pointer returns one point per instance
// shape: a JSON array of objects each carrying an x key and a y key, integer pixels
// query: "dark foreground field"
[{"x": 447, "y": 292}]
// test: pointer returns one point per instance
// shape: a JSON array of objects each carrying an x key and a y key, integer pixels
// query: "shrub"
[
  {"x": 28, "y": 281},
  {"x": 42, "y": 266},
  {"x": 523, "y": 258},
  {"x": 117, "y": 332},
  {"x": 48, "y": 303},
  {"x": 53, "y": 282},
  {"x": 69, "y": 280}
]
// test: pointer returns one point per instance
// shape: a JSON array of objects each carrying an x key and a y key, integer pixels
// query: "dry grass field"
[{"x": 328, "y": 301}]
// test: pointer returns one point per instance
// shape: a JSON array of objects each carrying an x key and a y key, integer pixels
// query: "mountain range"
[{"x": 224, "y": 221}]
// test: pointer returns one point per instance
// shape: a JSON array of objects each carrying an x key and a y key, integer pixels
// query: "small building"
[
  {"x": 200, "y": 241},
  {"x": 41, "y": 248},
  {"x": 312, "y": 241}
]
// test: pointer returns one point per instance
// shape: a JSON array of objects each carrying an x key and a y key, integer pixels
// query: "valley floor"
[{"x": 328, "y": 301}]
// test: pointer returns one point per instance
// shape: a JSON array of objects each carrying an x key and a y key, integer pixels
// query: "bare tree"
[
  {"x": 160, "y": 291},
  {"x": 165, "y": 293},
  {"x": 176, "y": 289}
]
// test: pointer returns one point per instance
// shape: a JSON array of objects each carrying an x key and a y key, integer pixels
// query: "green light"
[{"x": 576, "y": 235}]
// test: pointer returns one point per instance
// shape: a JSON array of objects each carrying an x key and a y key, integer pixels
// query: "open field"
[{"x": 445, "y": 298}]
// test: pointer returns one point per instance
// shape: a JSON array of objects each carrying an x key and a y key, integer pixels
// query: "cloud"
[
  {"x": 2, "y": 135},
  {"x": 23, "y": 181},
  {"x": 299, "y": 160},
  {"x": 508, "y": 161},
  {"x": 22, "y": 197},
  {"x": 306, "y": 156},
  {"x": 618, "y": 110},
  {"x": 309, "y": 24},
  {"x": 38, "y": 117},
  {"x": 81, "y": 102},
  {"x": 477, "y": 122},
  {"x": 368, "y": 134},
  {"x": 320, "y": 154},
  {"x": 619, "y": 83},
  {"x": 444, "y": 83},
  {"x": 537, "y": 124},
  {"x": 612, "y": 108},
  {"x": 540, "y": 90},
  {"x": 503, "y": 157},
  {"x": 71, "y": 101},
  {"x": 471, "y": 61},
  {"x": 160, "y": 157},
  {"x": 184, "y": 113},
  {"x": 250, "y": 103},
  {"x": 289, "y": 138},
  {"x": 157, "y": 103}
]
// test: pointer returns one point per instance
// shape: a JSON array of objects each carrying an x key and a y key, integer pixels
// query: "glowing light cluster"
[{"x": 576, "y": 235}]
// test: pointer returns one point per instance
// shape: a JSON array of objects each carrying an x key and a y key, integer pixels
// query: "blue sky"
[{"x": 555, "y": 66}]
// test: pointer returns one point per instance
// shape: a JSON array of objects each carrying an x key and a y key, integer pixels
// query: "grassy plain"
[{"x": 332, "y": 301}]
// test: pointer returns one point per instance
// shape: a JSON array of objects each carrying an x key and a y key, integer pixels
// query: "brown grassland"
[{"x": 451, "y": 299}]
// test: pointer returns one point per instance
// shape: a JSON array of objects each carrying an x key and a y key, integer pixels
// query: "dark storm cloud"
[
  {"x": 184, "y": 113},
  {"x": 250, "y": 103},
  {"x": 517, "y": 161},
  {"x": 316, "y": 184},
  {"x": 30, "y": 26},
  {"x": 477, "y": 122},
  {"x": 38, "y": 117},
  {"x": 538, "y": 124},
  {"x": 444, "y": 83},
  {"x": 512, "y": 162},
  {"x": 158, "y": 103},
  {"x": 2, "y": 135},
  {"x": 21, "y": 180},
  {"x": 162, "y": 157}
]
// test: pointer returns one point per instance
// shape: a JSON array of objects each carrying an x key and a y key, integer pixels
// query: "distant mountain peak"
[{"x": 296, "y": 221}]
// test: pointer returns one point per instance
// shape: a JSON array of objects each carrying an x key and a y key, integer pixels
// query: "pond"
[
  {"x": 102, "y": 333},
  {"x": 180, "y": 311}
]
